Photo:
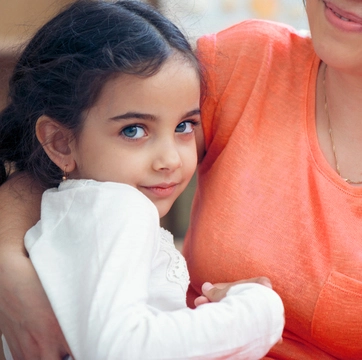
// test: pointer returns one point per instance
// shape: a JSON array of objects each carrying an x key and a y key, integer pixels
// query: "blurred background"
[{"x": 19, "y": 19}]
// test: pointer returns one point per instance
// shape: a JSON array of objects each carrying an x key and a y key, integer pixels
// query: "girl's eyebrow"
[
  {"x": 133, "y": 115},
  {"x": 142, "y": 116},
  {"x": 192, "y": 113}
]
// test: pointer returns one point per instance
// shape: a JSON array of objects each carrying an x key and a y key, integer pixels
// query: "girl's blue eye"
[
  {"x": 134, "y": 132},
  {"x": 185, "y": 127}
]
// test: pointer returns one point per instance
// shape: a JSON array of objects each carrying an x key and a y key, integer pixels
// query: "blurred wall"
[
  {"x": 19, "y": 19},
  {"x": 199, "y": 17}
]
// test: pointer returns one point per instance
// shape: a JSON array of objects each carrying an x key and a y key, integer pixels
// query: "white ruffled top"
[{"x": 117, "y": 284}]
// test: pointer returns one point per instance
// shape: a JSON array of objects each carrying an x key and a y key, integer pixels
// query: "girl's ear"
[{"x": 55, "y": 139}]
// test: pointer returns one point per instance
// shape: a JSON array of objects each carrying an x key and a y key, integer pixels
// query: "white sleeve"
[{"x": 94, "y": 262}]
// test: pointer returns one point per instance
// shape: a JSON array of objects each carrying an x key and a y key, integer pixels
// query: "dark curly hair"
[{"x": 65, "y": 66}]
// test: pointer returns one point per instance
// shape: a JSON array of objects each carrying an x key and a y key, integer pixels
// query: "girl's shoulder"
[{"x": 100, "y": 192}]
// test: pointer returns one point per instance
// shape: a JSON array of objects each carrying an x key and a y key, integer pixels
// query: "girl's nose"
[{"x": 168, "y": 158}]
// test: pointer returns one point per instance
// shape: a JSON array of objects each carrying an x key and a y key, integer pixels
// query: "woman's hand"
[{"x": 216, "y": 292}]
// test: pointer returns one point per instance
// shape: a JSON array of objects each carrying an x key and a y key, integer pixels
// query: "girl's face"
[
  {"x": 141, "y": 132},
  {"x": 336, "y": 28}
]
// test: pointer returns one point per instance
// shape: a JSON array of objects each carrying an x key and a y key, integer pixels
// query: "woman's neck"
[{"x": 339, "y": 120}]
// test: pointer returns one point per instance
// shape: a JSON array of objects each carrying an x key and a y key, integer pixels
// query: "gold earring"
[{"x": 65, "y": 174}]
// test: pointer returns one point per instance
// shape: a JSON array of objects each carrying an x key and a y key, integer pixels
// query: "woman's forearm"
[
  {"x": 20, "y": 200},
  {"x": 26, "y": 317}
]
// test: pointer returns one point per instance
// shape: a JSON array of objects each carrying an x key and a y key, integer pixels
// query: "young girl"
[{"x": 104, "y": 102}]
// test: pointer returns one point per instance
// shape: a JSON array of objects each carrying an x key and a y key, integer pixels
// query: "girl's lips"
[
  {"x": 161, "y": 190},
  {"x": 342, "y": 19}
]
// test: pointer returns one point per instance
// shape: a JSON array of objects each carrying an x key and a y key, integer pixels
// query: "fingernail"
[{"x": 207, "y": 286}]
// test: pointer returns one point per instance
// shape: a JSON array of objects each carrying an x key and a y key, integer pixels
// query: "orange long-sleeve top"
[{"x": 267, "y": 202}]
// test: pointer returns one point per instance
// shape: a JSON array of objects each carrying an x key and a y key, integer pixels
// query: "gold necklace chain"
[{"x": 349, "y": 181}]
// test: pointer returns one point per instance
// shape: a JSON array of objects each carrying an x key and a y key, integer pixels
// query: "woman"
[{"x": 279, "y": 187}]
